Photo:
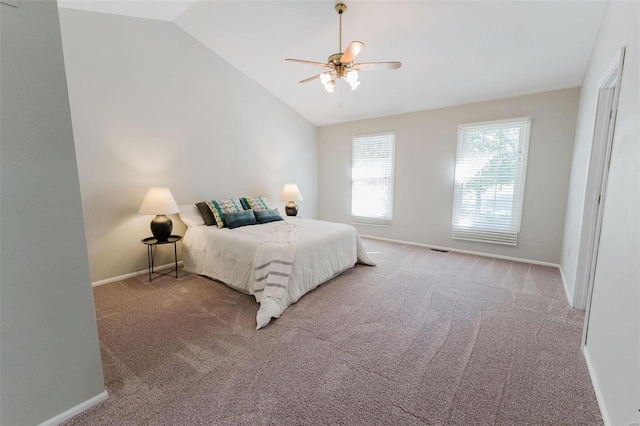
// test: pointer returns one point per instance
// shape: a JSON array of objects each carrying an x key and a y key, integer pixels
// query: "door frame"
[{"x": 598, "y": 173}]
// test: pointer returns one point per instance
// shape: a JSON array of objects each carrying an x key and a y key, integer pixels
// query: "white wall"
[
  {"x": 425, "y": 161},
  {"x": 49, "y": 354},
  {"x": 151, "y": 106},
  {"x": 573, "y": 232},
  {"x": 613, "y": 341}
]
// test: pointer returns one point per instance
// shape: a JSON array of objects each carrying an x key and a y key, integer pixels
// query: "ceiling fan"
[{"x": 341, "y": 64}]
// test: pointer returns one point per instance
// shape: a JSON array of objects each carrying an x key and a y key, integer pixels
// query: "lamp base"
[
  {"x": 161, "y": 227},
  {"x": 291, "y": 209}
]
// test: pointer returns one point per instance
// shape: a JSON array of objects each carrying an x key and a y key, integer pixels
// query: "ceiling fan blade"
[
  {"x": 366, "y": 66},
  {"x": 302, "y": 61},
  {"x": 315, "y": 77},
  {"x": 352, "y": 51}
]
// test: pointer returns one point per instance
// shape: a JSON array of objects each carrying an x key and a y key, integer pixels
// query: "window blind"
[
  {"x": 490, "y": 180},
  {"x": 372, "y": 179}
]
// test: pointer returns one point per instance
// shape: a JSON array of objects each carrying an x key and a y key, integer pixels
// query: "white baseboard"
[
  {"x": 134, "y": 274},
  {"x": 75, "y": 410},
  {"x": 596, "y": 387},
  {"x": 476, "y": 253},
  {"x": 566, "y": 288}
]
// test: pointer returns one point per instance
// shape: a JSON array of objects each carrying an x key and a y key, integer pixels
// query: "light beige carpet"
[{"x": 424, "y": 338}]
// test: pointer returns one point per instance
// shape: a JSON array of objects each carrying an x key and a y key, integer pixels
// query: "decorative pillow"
[
  {"x": 220, "y": 207},
  {"x": 266, "y": 216},
  {"x": 206, "y": 213},
  {"x": 190, "y": 215},
  {"x": 255, "y": 203},
  {"x": 243, "y": 218}
]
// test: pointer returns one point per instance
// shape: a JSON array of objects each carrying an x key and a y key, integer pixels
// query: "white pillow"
[{"x": 190, "y": 215}]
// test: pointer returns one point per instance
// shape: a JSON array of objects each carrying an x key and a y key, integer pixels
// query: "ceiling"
[{"x": 452, "y": 52}]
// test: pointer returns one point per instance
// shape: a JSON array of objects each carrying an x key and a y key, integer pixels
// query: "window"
[
  {"x": 372, "y": 179},
  {"x": 489, "y": 181}
]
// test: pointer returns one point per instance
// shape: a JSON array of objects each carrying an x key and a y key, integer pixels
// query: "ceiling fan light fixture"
[
  {"x": 325, "y": 77},
  {"x": 328, "y": 80},
  {"x": 329, "y": 85},
  {"x": 352, "y": 78}
]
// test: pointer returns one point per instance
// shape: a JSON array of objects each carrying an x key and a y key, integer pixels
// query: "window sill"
[{"x": 380, "y": 223}]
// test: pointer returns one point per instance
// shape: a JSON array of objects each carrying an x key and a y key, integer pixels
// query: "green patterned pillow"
[
  {"x": 255, "y": 203},
  {"x": 220, "y": 207}
]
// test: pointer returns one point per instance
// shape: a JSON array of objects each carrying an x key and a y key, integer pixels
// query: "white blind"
[
  {"x": 372, "y": 179},
  {"x": 489, "y": 180}
]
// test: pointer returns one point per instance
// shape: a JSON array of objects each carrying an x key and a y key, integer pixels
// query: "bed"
[{"x": 322, "y": 251}]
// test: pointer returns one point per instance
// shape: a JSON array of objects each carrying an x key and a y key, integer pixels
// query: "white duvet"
[{"x": 323, "y": 250}]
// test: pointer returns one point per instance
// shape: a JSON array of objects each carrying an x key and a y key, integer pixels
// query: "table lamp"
[
  {"x": 160, "y": 202},
  {"x": 291, "y": 193}
]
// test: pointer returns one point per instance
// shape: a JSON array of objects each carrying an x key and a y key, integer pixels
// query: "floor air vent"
[{"x": 440, "y": 250}]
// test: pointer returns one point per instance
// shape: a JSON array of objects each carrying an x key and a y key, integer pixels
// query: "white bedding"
[{"x": 324, "y": 250}]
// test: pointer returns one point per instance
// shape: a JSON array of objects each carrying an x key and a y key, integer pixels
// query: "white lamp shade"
[
  {"x": 158, "y": 201},
  {"x": 291, "y": 193}
]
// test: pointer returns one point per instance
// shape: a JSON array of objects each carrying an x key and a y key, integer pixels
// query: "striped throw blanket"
[{"x": 274, "y": 260}]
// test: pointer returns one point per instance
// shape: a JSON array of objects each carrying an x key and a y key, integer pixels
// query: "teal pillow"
[
  {"x": 266, "y": 216},
  {"x": 238, "y": 219}
]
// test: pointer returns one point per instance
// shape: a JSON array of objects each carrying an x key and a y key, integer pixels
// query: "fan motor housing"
[{"x": 335, "y": 58}]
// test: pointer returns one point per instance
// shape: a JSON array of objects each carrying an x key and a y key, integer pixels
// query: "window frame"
[
  {"x": 483, "y": 234},
  {"x": 375, "y": 220}
]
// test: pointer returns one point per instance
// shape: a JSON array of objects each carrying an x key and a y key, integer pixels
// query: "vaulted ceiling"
[{"x": 452, "y": 52}]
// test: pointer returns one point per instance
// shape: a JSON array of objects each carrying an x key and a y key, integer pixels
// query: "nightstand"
[{"x": 151, "y": 243}]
